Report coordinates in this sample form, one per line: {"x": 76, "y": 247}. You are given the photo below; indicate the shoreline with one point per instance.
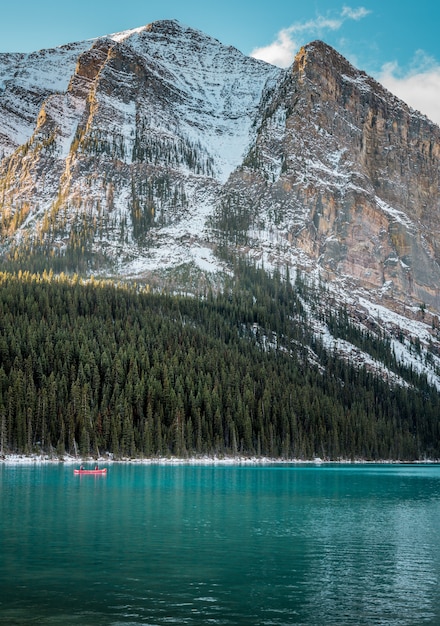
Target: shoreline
{"x": 43, "y": 459}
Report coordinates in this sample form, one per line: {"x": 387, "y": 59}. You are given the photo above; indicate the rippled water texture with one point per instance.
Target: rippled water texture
{"x": 235, "y": 545}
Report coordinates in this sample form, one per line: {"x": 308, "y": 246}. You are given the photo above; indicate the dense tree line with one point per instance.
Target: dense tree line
{"x": 89, "y": 368}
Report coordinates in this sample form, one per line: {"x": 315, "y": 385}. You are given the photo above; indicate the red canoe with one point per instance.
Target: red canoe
{"x": 90, "y": 471}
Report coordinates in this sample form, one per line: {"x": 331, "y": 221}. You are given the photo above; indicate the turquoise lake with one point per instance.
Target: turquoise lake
{"x": 198, "y": 545}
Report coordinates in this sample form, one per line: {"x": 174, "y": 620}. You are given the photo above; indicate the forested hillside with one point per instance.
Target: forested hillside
{"x": 88, "y": 368}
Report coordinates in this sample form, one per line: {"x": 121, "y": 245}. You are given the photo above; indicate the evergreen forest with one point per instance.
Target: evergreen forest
{"x": 90, "y": 367}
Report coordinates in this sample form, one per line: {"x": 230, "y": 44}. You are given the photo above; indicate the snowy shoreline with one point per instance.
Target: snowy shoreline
{"x": 21, "y": 459}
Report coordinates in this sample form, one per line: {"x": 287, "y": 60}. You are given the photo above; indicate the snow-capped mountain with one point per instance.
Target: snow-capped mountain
{"x": 135, "y": 132}
{"x": 161, "y": 148}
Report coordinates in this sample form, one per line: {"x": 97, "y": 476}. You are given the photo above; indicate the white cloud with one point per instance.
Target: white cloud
{"x": 281, "y": 52}
{"x": 355, "y": 14}
{"x": 420, "y": 87}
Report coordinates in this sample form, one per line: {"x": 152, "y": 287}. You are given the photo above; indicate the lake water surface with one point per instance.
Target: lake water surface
{"x": 232, "y": 545}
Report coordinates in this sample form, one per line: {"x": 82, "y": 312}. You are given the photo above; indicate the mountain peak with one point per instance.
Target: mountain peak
{"x": 170, "y": 29}
{"x": 167, "y": 27}
{"x": 320, "y": 58}
{"x": 321, "y": 63}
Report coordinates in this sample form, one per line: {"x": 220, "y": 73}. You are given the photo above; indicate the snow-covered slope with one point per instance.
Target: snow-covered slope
{"x": 197, "y": 89}
{"x": 218, "y": 90}
{"x": 137, "y": 130}
{"x": 26, "y": 80}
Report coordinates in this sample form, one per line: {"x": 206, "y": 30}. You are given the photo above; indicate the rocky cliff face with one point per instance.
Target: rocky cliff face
{"x": 154, "y": 147}
{"x": 348, "y": 174}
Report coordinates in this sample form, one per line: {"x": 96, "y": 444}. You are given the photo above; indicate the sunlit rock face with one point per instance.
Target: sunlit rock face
{"x": 156, "y": 147}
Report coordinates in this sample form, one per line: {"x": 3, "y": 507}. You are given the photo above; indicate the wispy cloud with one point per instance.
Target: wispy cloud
{"x": 282, "y": 50}
{"x": 355, "y": 14}
{"x": 419, "y": 87}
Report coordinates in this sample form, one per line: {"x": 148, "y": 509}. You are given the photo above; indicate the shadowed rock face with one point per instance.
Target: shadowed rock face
{"x": 164, "y": 138}
{"x": 358, "y": 188}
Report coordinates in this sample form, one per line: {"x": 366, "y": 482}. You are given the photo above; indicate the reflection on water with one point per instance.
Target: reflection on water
{"x": 226, "y": 545}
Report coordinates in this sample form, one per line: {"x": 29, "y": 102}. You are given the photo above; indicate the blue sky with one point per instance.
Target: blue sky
{"x": 397, "y": 41}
